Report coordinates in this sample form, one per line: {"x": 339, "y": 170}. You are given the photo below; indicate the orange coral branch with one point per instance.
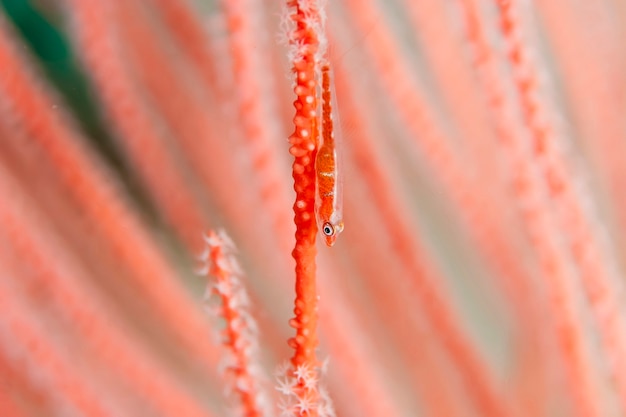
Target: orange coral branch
{"x": 239, "y": 337}
{"x": 303, "y": 148}
{"x": 305, "y": 38}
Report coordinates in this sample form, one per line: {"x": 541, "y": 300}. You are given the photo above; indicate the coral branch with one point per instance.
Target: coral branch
{"x": 305, "y": 41}
{"x": 303, "y": 148}
{"x": 240, "y": 335}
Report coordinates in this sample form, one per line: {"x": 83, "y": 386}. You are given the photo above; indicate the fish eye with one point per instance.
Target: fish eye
{"x": 328, "y": 229}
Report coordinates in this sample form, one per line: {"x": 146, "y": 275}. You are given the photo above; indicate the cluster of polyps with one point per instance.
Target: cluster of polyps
{"x": 296, "y": 400}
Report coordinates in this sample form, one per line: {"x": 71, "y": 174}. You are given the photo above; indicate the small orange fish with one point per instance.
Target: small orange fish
{"x": 329, "y": 193}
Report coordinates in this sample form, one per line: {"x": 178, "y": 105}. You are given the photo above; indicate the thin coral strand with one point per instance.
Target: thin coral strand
{"x": 239, "y": 337}
{"x": 506, "y": 132}
{"x": 303, "y": 147}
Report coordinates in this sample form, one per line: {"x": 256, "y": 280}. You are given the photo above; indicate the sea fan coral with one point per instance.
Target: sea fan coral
{"x": 480, "y": 272}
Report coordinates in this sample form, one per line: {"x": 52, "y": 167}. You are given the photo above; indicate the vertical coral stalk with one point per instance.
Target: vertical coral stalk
{"x": 305, "y": 39}
{"x": 239, "y": 335}
{"x": 303, "y": 148}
